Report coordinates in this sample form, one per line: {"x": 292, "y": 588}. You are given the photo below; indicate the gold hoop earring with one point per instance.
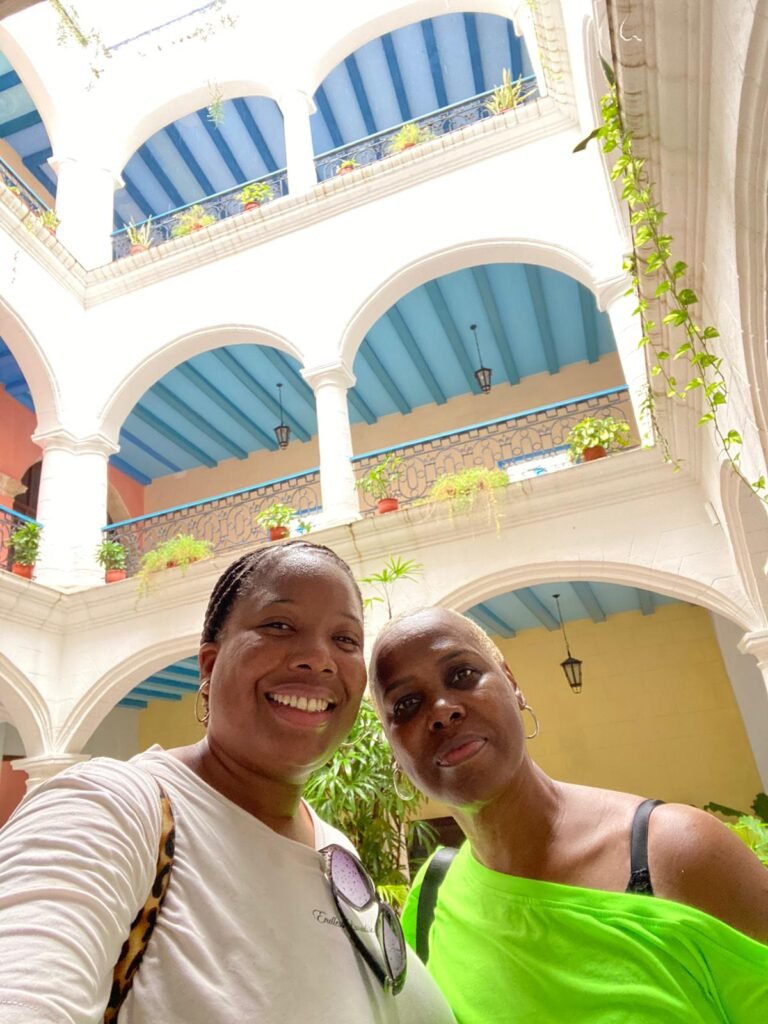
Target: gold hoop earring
{"x": 397, "y": 771}
{"x": 532, "y": 735}
{"x": 202, "y": 719}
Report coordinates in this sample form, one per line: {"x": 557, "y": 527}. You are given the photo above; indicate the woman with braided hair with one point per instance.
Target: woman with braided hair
{"x": 263, "y": 912}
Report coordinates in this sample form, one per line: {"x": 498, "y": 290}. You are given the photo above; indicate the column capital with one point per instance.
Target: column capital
{"x": 63, "y": 440}
{"x": 609, "y": 289}
{"x": 296, "y": 98}
{"x": 756, "y": 644}
{"x": 337, "y": 373}
{"x": 58, "y": 161}
{"x": 45, "y": 766}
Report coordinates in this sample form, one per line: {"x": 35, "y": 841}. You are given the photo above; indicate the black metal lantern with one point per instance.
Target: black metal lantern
{"x": 283, "y": 432}
{"x": 482, "y": 373}
{"x": 571, "y": 666}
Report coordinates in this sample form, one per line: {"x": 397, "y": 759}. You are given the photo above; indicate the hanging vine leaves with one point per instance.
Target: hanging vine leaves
{"x": 651, "y": 259}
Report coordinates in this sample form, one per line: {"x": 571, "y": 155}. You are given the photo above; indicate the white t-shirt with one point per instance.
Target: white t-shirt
{"x": 248, "y": 931}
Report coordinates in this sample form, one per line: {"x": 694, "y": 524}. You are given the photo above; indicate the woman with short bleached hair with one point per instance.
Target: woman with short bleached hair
{"x": 566, "y": 902}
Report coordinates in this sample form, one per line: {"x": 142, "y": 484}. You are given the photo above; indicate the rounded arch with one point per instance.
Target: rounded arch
{"x": 94, "y": 706}
{"x": 483, "y": 588}
{"x": 392, "y": 18}
{"x": 446, "y": 261}
{"x": 33, "y": 363}
{"x": 175, "y": 351}
{"x": 27, "y": 710}
{"x": 28, "y": 70}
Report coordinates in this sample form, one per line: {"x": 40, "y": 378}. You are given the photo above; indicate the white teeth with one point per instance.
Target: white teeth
{"x": 314, "y": 704}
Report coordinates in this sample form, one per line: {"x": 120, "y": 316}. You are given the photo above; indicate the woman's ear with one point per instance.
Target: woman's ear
{"x": 519, "y": 695}
{"x": 206, "y": 657}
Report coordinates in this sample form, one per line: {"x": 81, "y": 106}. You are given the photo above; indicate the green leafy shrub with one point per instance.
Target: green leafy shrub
{"x": 25, "y": 543}
{"x": 605, "y": 432}
{"x": 110, "y": 554}
{"x": 379, "y": 482}
{"x": 181, "y": 550}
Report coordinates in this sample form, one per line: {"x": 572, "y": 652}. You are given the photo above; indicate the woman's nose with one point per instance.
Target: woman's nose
{"x": 314, "y": 656}
{"x": 445, "y": 713}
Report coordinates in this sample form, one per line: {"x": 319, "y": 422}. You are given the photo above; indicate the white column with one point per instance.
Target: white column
{"x": 337, "y": 479}
{"x": 299, "y": 154}
{"x": 627, "y": 331}
{"x": 72, "y": 506}
{"x": 522, "y": 19}
{"x": 85, "y": 199}
{"x": 45, "y": 766}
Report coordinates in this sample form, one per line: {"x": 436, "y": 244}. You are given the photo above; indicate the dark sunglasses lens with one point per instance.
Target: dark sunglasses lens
{"x": 393, "y": 944}
{"x": 351, "y": 882}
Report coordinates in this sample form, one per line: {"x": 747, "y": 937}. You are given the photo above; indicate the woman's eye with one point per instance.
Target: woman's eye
{"x": 405, "y": 706}
{"x": 461, "y": 675}
{"x": 276, "y": 625}
{"x": 349, "y": 640}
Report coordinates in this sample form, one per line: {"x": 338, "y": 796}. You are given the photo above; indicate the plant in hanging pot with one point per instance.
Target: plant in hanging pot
{"x": 409, "y": 135}
{"x": 470, "y": 487}
{"x": 379, "y": 482}
{"x": 253, "y": 195}
{"x": 110, "y": 555}
{"x": 507, "y": 95}
{"x": 347, "y": 165}
{"x": 181, "y": 550}
{"x": 276, "y": 520}
{"x": 140, "y": 236}
{"x": 194, "y": 218}
{"x": 592, "y": 438}
{"x": 25, "y": 545}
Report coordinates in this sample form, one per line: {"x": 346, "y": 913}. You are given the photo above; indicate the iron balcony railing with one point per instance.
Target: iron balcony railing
{"x": 21, "y": 190}
{"x": 537, "y": 434}
{"x": 226, "y": 520}
{"x": 438, "y": 122}
{"x": 10, "y": 521}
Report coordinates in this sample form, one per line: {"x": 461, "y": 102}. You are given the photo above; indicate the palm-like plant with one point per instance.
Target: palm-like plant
{"x": 395, "y": 569}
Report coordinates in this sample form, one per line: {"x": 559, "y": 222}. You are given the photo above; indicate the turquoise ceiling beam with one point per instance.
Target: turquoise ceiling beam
{"x": 176, "y": 198}
{"x": 589, "y": 601}
{"x": 188, "y": 157}
{"x": 167, "y": 431}
{"x": 8, "y": 80}
{"x": 254, "y": 131}
{"x": 195, "y": 377}
{"x": 138, "y": 197}
{"x": 443, "y": 314}
{"x": 645, "y": 601}
{"x": 237, "y": 369}
{"x": 290, "y": 374}
{"x": 357, "y": 402}
{"x": 390, "y": 54}
{"x": 150, "y": 694}
{"x": 531, "y": 603}
{"x": 149, "y": 450}
{"x": 409, "y": 343}
{"x": 193, "y": 416}
{"x": 491, "y": 621}
{"x": 225, "y": 152}
{"x": 533, "y": 276}
{"x": 159, "y": 680}
{"x": 488, "y": 299}
{"x": 131, "y": 702}
{"x": 515, "y": 55}
{"x": 368, "y": 355}
{"x": 473, "y": 43}
{"x": 589, "y": 320}
{"x": 326, "y": 110}
{"x": 435, "y": 68}
{"x": 18, "y": 124}
{"x": 131, "y": 471}
{"x": 353, "y": 71}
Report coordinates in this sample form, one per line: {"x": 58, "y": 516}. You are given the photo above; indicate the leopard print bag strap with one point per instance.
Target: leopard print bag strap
{"x": 144, "y": 923}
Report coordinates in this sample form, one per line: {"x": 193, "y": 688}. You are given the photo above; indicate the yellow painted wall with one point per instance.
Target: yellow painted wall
{"x": 656, "y": 716}
{"x": 464, "y": 410}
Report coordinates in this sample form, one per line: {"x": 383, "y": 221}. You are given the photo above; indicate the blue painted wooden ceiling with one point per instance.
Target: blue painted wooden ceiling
{"x": 502, "y": 616}
{"x": 223, "y": 404}
{"x": 401, "y": 75}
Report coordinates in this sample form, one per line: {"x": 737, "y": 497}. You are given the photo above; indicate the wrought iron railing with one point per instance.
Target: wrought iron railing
{"x": 179, "y": 222}
{"x": 21, "y": 190}
{"x": 439, "y": 122}
{"x": 10, "y": 521}
{"x": 227, "y": 520}
{"x": 525, "y": 436}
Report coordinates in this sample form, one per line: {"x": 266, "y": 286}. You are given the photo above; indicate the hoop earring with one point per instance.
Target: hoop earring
{"x": 202, "y": 719}
{"x": 527, "y": 707}
{"x": 397, "y": 771}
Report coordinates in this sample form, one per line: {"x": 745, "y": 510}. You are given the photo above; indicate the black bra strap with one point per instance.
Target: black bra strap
{"x": 436, "y": 871}
{"x": 640, "y": 874}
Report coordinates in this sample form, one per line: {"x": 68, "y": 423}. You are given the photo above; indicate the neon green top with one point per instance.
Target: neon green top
{"x": 507, "y": 950}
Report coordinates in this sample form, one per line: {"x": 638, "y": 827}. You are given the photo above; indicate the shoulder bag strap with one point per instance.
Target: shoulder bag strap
{"x": 425, "y": 911}
{"x": 639, "y": 871}
{"x": 144, "y": 923}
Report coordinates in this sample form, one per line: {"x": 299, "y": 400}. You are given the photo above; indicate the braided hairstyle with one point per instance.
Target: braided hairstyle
{"x": 236, "y": 580}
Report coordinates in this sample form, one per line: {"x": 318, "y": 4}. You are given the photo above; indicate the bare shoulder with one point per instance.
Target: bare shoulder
{"x": 696, "y": 859}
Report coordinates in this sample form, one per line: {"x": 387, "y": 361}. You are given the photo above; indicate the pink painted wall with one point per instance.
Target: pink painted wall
{"x": 12, "y": 789}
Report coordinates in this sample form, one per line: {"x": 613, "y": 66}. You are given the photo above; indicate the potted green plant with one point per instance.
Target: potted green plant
{"x": 181, "y": 550}
{"x": 276, "y": 519}
{"x": 110, "y": 555}
{"x": 347, "y": 165}
{"x": 49, "y": 220}
{"x": 593, "y": 438}
{"x": 194, "y": 218}
{"x": 507, "y": 95}
{"x": 140, "y": 236}
{"x": 379, "y": 482}
{"x": 469, "y": 487}
{"x": 356, "y": 792}
{"x": 409, "y": 135}
{"x": 25, "y": 544}
{"x": 253, "y": 195}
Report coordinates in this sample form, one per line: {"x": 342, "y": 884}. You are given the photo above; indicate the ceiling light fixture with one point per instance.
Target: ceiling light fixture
{"x": 571, "y": 666}
{"x": 283, "y": 432}
{"x": 482, "y": 373}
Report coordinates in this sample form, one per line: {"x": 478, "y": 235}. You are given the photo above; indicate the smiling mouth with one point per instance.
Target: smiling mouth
{"x": 310, "y": 705}
{"x": 460, "y": 754}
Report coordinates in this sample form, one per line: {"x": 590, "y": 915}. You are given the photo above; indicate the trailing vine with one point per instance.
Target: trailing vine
{"x": 652, "y": 258}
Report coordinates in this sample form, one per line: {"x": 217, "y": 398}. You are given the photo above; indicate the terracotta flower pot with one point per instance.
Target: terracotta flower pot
{"x": 136, "y": 249}
{"x": 278, "y": 532}
{"x": 252, "y": 205}
{"x": 115, "y": 575}
{"x": 590, "y": 454}
{"x": 345, "y": 170}
{"x": 387, "y": 505}
{"x": 22, "y": 570}
{"x": 407, "y": 145}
